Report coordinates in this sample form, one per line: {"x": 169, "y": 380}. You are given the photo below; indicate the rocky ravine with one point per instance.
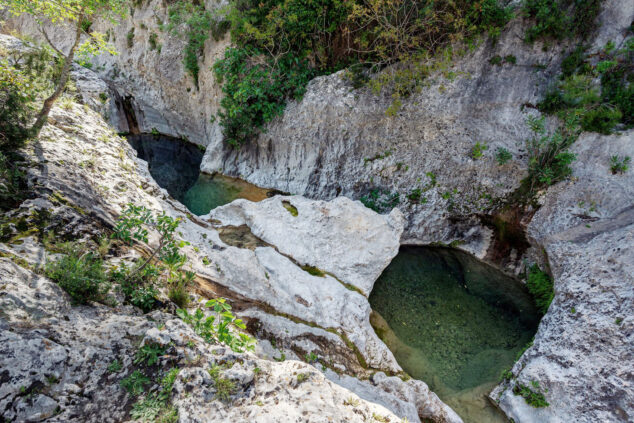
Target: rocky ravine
{"x": 584, "y": 359}
{"x": 82, "y": 175}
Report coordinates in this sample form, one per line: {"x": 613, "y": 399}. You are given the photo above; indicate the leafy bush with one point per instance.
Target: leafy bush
{"x": 138, "y": 283}
{"x": 602, "y": 119}
{"x": 619, "y": 164}
{"x": 13, "y": 187}
{"x": 532, "y": 397}
{"x": 540, "y": 285}
{"x": 381, "y": 200}
{"x": 597, "y": 107}
{"x": 130, "y": 38}
{"x": 222, "y": 329}
{"x": 191, "y": 19}
{"x": 135, "y": 383}
{"x": 81, "y": 275}
{"x": 16, "y": 94}
{"x": 281, "y": 44}
{"x": 548, "y": 156}
{"x": 502, "y": 155}
{"x": 256, "y": 92}
{"x": 478, "y": 150}
{"x": 558, "y": 19}
{"x": 149, "y": 354}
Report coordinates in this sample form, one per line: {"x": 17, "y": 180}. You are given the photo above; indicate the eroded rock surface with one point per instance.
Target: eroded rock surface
{"x": 82, "y": 175}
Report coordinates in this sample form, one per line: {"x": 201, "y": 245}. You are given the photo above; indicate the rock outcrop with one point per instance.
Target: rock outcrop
{"x": 82, "y": 175}
{"x": 56, "y": 365}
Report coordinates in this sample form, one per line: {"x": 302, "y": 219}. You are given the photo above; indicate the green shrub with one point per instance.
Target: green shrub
{"x": 138, "y": 287}
{"x": 135, "y": 383}
{"x": 534, "y": 398}
{"x": 153, "y": 40}
{"x": 255, "y": 92}
{"x": 138, "y": 282}
{"x": 558, "y": 19}
{"x": 16, "y": 94}
{"x": 575, "y": 62}
{"x": 548, "y": 157}
{"x": 540, "y": 286}
{"x": 478, "y": 150}
{"x": 149, "y": 354}
{"x": 602, "y": 119}
{"x": 597, "y": 107}
{"x": 13, "y": 187}
{"x": 223, "y": 329}
{"x": 381, "y": 200}
{"x": 81, "y": 275}
{"x": 224, "y": 388}
{"x": 130, "y": 38}
{"x": 502, "y": 155}
{"x": 619, "y": 164}
{"x": 281, "y": 44}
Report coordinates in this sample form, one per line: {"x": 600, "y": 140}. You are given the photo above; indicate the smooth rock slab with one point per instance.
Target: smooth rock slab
{"x": 341, "y": 237}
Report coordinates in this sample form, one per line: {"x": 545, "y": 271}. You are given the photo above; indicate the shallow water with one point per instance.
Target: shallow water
{"x": 174, "y": 164}
{"x": 453, "y": 322}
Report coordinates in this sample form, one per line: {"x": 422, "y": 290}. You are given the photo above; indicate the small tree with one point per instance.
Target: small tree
{"x": 78, "y": 14}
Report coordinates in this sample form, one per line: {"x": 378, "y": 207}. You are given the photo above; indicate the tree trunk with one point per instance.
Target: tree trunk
{"x": 42, "y": 117}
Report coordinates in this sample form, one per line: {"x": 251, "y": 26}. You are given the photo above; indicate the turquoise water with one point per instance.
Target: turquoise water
{"x": 174, "y": 164}
{"x": 453, "y": 322}
{"x": 210, "y": 192}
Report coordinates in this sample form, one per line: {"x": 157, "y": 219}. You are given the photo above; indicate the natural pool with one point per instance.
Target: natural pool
{"x": 454, "y": 322}
{"x": 174, "y": 164}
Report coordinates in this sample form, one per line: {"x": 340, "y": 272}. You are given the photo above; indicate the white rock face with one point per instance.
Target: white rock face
{"x": 352, "y": 242}
{"x": 48, "y": 346}
{"x": 583, "y": 352}
{"x": 85, "y": 177}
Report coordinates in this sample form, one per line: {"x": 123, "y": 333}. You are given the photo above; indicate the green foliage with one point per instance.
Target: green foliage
{"x": 138, "y": 287}
{"x": 502, "y": 155}
{"x": 153, "y": 40}
{"x": 16, "y": 94}
{"x": 147, "y": 409}
{"x": 149, "y": 354}
{"x": 499, "y": 60}
{"x": 129, "y": 37}
{"x": 222, "y": 327}
{"x": 115, "y": 366}
{"x": 138, "y": 283}
{"x": 311, "y": 358}
{"x": 224, "y": 388}
{"x": 302, "y": 377}
{"x": 415, "y": 195}
{"x": 619, "y": 164}
{"x": 548, "y": 156}
{"x": 381, "y": 200}
{"x": 534, "y": 398}
{"x": 315, "y": 271}
{"x": 190, "y": 19}
{"x": 557, "y": 19}
{"x": 255, "y": 91}
{"x": 13, "y": 187}
{"x": 478, "y": 150}
{"x": 81, "y": 275}
{"x": 135, "y": 383}
{"x": 281, "y": 44}
{"x": 596, "y": 107}
{"x": 540, "y": 286}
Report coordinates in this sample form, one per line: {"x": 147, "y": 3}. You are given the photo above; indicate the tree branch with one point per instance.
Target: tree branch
{"x": 43, "y": 31}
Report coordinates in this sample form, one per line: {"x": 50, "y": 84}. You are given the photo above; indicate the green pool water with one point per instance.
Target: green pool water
{"x": 174, "y": 164}
{"x": 454, "y": 322}
{"x": 211, "y": 191}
